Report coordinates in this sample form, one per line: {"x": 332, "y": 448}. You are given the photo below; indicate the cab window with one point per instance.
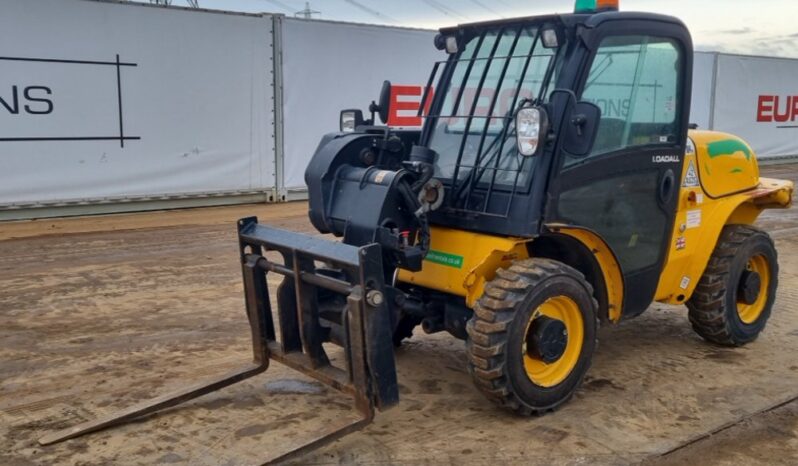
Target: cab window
{"x": 635, "y": 81}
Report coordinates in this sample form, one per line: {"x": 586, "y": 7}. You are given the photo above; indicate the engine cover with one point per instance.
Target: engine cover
{"x": 725, "y": 163}
{"x": 354, "y": 197}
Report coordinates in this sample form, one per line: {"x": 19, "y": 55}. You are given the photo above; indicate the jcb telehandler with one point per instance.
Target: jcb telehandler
{"x": 554, "y": 185}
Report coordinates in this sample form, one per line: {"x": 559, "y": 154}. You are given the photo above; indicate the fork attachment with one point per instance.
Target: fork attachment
{"x": 342, "y": 302}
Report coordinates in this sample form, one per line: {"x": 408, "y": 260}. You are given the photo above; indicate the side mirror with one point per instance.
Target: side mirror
{"x": 581, "y": 128}
{"x": 531, "y": 130}
{"x": 383, "y": 106}
{"x": 351, "y": 119}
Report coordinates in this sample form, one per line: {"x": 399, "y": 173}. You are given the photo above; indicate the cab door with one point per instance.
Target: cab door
{"x": 625, "y": 189}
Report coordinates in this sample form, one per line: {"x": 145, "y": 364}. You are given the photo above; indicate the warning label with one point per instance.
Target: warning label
{"x": 693, "y": 218}
{"x": 691, "y": 178}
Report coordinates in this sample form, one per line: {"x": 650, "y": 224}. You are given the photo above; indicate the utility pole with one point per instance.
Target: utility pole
{"x": 307, "y": 13}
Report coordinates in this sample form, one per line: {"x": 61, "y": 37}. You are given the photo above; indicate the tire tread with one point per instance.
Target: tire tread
{"x": 706, "y": 307}
{"x": 488, "y": 329}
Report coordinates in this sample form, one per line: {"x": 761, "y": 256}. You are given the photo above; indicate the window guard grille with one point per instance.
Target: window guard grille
{"x": 481, "y": 175}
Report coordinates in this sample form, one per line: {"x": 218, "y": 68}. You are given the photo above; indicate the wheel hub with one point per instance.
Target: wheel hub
{"x": 547, "y": 339}
{"x": 749, "y": 287}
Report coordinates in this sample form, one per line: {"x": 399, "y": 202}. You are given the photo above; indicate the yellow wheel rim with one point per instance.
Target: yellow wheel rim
{"x": 749, "y": 313}
{"x": 564, "y": 309}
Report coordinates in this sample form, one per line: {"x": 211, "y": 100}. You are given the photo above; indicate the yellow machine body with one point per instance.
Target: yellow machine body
{"x": 607, "y": 261}
{"x": 461, "y": 262}
{"x": 720, "y": 185}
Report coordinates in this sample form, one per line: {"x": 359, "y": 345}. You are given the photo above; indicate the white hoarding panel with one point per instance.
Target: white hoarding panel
{"x": 328, "y": 67}
{"x": 756, "y": 98}
{"x": 701, "y": 102}
{"x": 109, "y": 100}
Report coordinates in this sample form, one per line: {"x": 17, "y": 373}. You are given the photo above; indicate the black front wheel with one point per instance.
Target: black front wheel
{"x": 532, "y": 336}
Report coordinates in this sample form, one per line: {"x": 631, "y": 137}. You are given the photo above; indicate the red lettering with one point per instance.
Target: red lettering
{"x": 472, "y": 101}
{"x": 454, "y": 94}
{"x": 764, "y": 112}
{"x": 794, "y": 108}
{"x": 781, "y": 117}
{"x": 394, "y": 118}
{"x": 506, "y": 99}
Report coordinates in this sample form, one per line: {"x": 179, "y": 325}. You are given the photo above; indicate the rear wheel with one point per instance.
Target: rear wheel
{"x": 732, "y": 302}
{"x": 532, "y": 336}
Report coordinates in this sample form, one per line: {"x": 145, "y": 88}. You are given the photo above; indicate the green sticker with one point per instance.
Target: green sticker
{"x": 727, "y": 147}
{"x": 736, "y": 170}
{"x": 443, "y": 258}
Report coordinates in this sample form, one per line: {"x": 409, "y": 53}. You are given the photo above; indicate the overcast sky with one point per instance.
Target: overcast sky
{"x": 761, "y": 27}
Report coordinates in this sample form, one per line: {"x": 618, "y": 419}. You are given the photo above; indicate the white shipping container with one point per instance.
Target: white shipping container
{"x": 701, "y": 102}
{"x": 756, "y": 98}
{"x": 329, "y": 66}
{"x": 106, "y": 101}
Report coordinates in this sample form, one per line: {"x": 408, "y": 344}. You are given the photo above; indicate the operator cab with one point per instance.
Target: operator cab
{"x": 580, "y": 88}
{"x": 576, "y": 120}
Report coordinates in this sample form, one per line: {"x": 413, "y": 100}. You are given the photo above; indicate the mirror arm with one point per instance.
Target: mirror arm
{"x": 579, "y": 121}
{"x": 372, "y": 109}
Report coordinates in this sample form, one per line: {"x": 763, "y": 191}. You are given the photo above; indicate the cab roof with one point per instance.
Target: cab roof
{"x": 589, "y": 20}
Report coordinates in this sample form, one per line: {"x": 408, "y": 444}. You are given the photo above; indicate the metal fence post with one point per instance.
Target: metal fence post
{"x": 714, "y": 91}
{"x": 279, "y": 141}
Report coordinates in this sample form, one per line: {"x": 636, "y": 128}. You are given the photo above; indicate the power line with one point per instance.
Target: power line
{"x": 444, "y": 9}
{"x": 278, "y": 3}
{"x": 371, "y": 11}
{"x": 478, "y": 3}
{"x": 504, "y": 3}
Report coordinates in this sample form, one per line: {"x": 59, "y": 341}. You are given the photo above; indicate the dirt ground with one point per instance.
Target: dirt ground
{"x": 99, "y": 313}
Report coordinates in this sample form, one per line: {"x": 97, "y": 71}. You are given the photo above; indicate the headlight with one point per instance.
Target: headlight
{"x": 530, "y": 123}
{"x": 451, "y": 45}
{"x": 448, "y": 43}
{"x": 347, "y": 121}
{"x": 550, "y": 39}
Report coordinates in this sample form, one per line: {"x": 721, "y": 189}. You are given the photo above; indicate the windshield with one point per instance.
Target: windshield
{"x": 472, "y": 130}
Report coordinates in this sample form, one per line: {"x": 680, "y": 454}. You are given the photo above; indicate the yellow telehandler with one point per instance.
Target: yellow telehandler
{"x": 554, "y": 185}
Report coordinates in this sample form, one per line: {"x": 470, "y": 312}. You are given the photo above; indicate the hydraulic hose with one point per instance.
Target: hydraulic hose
{"x": 410, "y": 197}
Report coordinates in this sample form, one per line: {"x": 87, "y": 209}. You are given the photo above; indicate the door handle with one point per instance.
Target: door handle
{"x": 666, "y": 187}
